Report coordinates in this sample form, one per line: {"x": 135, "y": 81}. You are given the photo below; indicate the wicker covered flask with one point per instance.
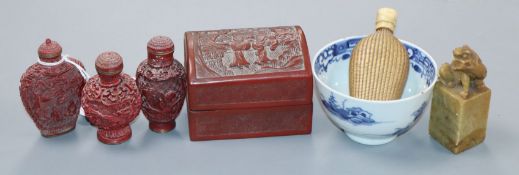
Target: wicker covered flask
{"x": 379, "y": 63}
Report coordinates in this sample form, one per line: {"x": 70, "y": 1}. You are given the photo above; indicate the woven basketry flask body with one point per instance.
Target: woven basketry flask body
{"x": 379, "y": 64}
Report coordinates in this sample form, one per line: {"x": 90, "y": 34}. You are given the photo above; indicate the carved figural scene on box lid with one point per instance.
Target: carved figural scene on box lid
{"x": 250, "y": 67}
{"x": 234, "y": 52}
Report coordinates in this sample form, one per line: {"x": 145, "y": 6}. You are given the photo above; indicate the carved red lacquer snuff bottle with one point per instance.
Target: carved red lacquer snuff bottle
{"x": 162, "y": 82}
{"x": 111, "y": 99}
{"x": 51, "y": 90}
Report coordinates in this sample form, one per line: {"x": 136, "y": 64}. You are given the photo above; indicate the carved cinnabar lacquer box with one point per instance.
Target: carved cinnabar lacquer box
{"x": 252, "y": 82}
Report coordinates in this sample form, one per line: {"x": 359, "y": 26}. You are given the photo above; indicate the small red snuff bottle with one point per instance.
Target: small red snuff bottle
{"x": 51, "y": 90}
{"x": 111, "y": 99}
{"x": 162, "y": 82}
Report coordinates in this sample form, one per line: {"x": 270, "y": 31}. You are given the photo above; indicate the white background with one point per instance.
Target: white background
{"x": 87, "y": 28}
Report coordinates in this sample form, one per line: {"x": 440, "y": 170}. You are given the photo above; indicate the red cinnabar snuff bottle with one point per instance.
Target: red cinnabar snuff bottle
{"x": 162, "y": 82}
{"x": 51, "y": 90}
{"x": 111, "y": 99}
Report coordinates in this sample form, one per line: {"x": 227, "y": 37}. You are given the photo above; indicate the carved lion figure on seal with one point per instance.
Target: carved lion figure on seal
{"x": 466, "y": 70}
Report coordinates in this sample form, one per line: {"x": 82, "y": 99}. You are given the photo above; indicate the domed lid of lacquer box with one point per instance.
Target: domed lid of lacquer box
{"x": 247, "y": 68}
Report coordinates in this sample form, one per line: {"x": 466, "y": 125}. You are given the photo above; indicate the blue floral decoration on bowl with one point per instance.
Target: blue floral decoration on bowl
{"x": 334, "y": 53}
{"x": 354, "y": 115}
{"x": 342, "y": 51}
{"x": 421, "y": 64}
{"x": 416, "y": 114}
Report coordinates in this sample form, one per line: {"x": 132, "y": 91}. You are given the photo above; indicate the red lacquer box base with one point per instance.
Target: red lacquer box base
{"x": 244, "y": 83}
{"x": 247, "y": 123}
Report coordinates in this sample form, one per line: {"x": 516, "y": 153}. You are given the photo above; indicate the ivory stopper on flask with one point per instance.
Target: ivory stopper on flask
{"x": 379, "y": 63}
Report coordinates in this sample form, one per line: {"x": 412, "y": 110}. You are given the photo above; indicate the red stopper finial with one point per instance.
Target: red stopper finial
{"x": 161, "y": 45}
{"x": 109, "y": 63}
{"x": 49, "y": 49}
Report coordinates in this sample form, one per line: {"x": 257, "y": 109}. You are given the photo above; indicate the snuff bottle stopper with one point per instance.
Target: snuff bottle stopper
{"x": 379, "y": 63}
{"x": 51, "y": 90}
{"x": 460, "y": 103}
{"x": 111, "y": 99}
{"x": 162, "y": 82}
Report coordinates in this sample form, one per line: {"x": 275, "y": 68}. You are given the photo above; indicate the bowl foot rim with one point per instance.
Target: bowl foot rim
{"x": 366, "y": 140}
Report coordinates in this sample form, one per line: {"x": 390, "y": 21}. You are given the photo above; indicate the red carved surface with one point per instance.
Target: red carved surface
{"x": 162, "y": 83}
{"x": 111, "y": 102}
{"x": 248, "y": 83}
{"x": 287, "y": 81}
{"x": 112, "y": 108}
{"x": 51, "y": 96}
{"x": 163, "y": 92}
{"x": 248, "y": 51}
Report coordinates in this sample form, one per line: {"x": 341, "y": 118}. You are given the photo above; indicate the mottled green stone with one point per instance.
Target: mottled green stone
{"x": 457, "y": 123}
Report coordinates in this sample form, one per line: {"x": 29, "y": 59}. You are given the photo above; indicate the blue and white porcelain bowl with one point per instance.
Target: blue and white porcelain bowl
{"x": 365, "y": 121}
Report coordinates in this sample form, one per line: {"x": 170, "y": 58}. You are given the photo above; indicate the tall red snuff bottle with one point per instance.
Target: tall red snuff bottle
{"x": 162, "y": 82}
{"x": 111, "y": 99}
{"x": 51, "y": 90}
